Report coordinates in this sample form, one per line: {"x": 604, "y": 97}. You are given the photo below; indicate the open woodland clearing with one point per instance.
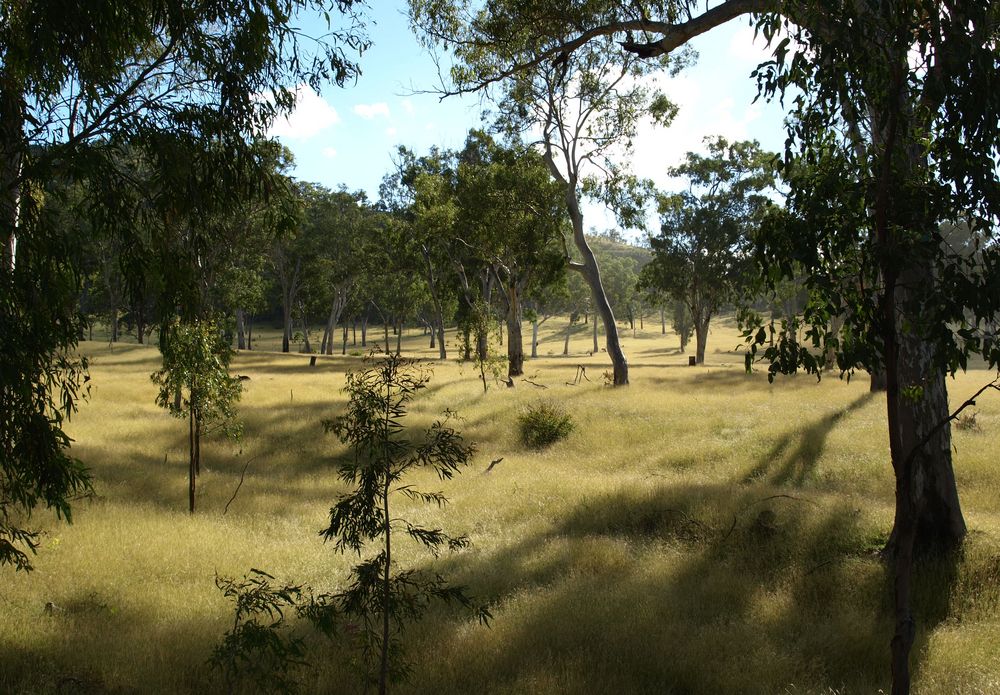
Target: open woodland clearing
{"x": 700, "y": 531}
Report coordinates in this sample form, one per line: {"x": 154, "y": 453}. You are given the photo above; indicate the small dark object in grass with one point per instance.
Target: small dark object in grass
{"x": 544, "y": 424}
{"x": 967, "y": 421}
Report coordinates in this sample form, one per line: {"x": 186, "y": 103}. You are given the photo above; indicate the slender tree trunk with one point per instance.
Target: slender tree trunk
{"x": 399, "y": 335}
{"x": 534, "y": 338}
{"x": 11, "y": 154}
{"x": 306, "y": 346}
{"x": 663, "y": 321}
{"x": 595, "y": 338}
{"x": 241, "y": 340}
{"x": 438, "y": 321}
{"x": 191, "y": 461}
{"x": 343, "y": 349}
{"x": 114, "y": 324}
{"x": 364, "y": 331}
{"x": 515, "y": 345}
{"x": 569, "y": 329}
{"x": 286, "y": 315}
{"x": 592, "y": 274}
{"x": 386, "y": 597}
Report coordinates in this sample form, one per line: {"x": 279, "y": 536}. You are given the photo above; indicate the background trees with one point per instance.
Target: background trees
{"x": 702, "y": 255}
{"x": 79, "y": 86}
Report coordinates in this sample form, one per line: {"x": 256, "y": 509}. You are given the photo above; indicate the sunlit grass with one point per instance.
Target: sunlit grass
{"x": 700, "y": 531}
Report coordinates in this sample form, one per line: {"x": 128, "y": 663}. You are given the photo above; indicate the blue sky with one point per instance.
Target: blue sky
{"x": 347, "y": 135}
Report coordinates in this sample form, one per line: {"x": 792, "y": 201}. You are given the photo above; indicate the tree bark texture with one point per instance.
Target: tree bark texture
{"x": 241, "y": 339}
{"x": 515, "y": 343}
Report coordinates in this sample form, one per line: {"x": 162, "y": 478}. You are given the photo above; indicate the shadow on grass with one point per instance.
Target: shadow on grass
{"x": 792, "y": 459}
{"x": 695, "y": 589}
{"x": 688, "y": 590}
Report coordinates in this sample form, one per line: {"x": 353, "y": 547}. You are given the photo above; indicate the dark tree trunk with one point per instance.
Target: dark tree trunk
{"x": 534, "y": 339}
{"x": 595, "y": 349}
{"x": 663, "y": 321}
{"x": 286, "y": 336}
{"x": 114, "y": 325}
{"x": 877, "y": 381}
{"x": 343, "y": 348}
{"x": 241, "y": 339}
{"x": 569, "y": 329}
{"x": 515, "y": 344}
{"x": 191, "y": 462}
{"x": 364, "y": 331}
{"x": 701, "y": 337}
{"x": 399, "y": 336}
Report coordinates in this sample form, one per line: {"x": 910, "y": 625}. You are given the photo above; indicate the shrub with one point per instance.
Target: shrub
{"x": 544, "y": 424}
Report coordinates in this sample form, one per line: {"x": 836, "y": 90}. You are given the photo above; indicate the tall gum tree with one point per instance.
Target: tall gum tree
{"x": 911, "y": 88}
{"x": 584, "y": 108}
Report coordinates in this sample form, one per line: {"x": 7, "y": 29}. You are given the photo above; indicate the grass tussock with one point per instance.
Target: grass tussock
{"x": 702, "y": 531}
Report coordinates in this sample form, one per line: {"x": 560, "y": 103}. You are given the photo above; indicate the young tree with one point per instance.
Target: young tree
{"x": 196, "y": 364}
{"x": 383, "y": 453}
{"x": 702, "y": 254}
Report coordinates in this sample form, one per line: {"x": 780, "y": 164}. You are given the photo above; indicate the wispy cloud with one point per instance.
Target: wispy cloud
{"x": 370, "y": 111}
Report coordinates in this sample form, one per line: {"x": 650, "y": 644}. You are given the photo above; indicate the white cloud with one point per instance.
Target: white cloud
{"x": 370, "y": 111}
{"x": 407, "y": 106}
{"x": 312, "y": 115}
{"x": 390, "y": 132}
{"x": 329, "y": 152}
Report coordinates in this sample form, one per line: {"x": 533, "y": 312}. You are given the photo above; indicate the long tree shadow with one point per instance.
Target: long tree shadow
{"x": 695, "y": 589}
{"x": 793, "y": 457}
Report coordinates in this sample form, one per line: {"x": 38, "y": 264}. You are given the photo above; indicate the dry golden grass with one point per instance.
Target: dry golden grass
{"x": 701, "y": 531}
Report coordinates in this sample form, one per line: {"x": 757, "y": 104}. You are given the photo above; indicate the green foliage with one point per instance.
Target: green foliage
{"x": 83, "y": 88}
{"x": 702, "y": 255}
{"x": 382, "y": 598}
{"x": 41, "y": 382}
{"x": 258, "y": 651}
{"x": 196, "y": 360}
{"x": 544, "y": 424}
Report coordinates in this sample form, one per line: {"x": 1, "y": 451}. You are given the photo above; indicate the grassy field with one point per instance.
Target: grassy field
{"x": 701, "y": 531}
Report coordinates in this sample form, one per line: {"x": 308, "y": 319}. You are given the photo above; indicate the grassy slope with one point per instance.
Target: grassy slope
{"x": 640, "y": 555}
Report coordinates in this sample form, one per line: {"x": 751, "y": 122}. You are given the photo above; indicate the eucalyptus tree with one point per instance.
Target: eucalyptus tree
{"x": 514, "y": 218}
{"x": 78, "y": 85}
{"x": 702, "y": 255}
{"x": 334, "y": 229}
{"x": 587, "y": 108}
{"x": 900, "y": 100}
{"x": 422, "y": 190}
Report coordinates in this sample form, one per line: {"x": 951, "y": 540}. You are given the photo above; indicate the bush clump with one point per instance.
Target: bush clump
{"x": 544, "y": 424}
